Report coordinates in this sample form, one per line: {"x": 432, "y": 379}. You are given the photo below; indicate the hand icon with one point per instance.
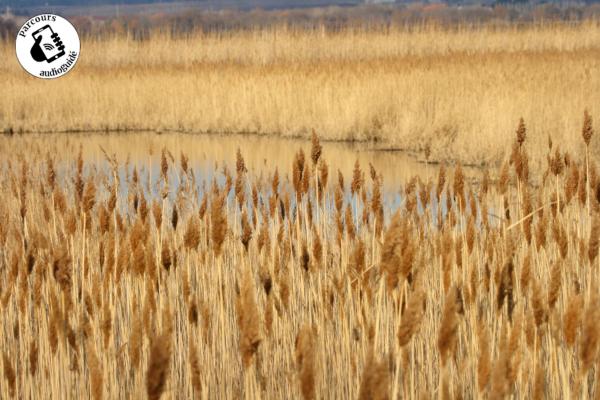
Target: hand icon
{"x": 36, "y": 51}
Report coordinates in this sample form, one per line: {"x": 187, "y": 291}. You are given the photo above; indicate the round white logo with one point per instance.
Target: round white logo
{"x": 47, "y": 46}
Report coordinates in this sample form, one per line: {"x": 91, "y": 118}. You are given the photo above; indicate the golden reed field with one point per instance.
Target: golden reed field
{"x": 148, "y": 277}
{"x": 406, "y": 87}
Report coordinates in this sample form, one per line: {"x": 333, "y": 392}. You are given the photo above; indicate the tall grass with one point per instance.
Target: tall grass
{"x": 126, "y": 281}
{"x": 414, "y": 88}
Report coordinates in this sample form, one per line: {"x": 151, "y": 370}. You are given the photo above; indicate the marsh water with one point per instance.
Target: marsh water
{"x": 208, "y": 155}
{"x": 262, "y": 154}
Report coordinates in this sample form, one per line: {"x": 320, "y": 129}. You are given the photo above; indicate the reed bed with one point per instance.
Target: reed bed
{"x": 408, "y": 87}
{"x": 119, "y": 281}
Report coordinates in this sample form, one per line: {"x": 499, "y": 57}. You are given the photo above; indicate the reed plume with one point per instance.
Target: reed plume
{"x": 106, "y": 324}
{"x": 203, "y": 207}
{"x": 184, "y": 162}
{"x": 240, "y": 191}
{"x": 195, "y": 370}
{"x": 191, "y": 238}
{"x": 164, "y": 165}
{"x": 500, "y": 371}
{"x": 459, "y": 185}
{"x": 157, "y": 214}
{"x": 298, "y": 172}
{"x": 590, "y": 335}
{"x": 540, "y": 232}
{"x": 323, "y": 177}
{"x": 103, "y": 219}
{"x": 158, "y": 366}
{"x": 136, "y": 341}
{"x": 503, "y": 179}
{"x": 165, "y": 255}
{"x": 96, "y": 372}
{"x": 306, "y": 362}
{"x": 269, "y": 316}
{"x": 377, "y": 204}
{"x": 349, "y": 223}
{"x": 572, "y": 183}
{"x": 538, "y": 304}
{"x": 594, "y": 241}
{"x": 317, "y": 251}
{"x": 505, "y": 289}
{"x": 447, "y": 334}
{"x": 555, "y": 284}
{"x": 572, "y": 319}
{"x": 539, "y": 384}
{"x": 358, "y": 259}
{"x": 78, "y": 180}
{"x": 9, "y": 374}
{"x": 357, "y": 179}
{"x": 484, "y": 364}
{"x": 412, "y": 317}
{"x": 33, "y": 357}
{"x": 316, "y": 149}
{"x": 521, "y": 132}
{"x": 61, "y": 268}
{"x": 304, "y": 258}
{"x": 587, "y": 131}
{"x": 240, "y": 164}
{"x": 375, "y": 382}
{"x": 248, "y": 320}
{"x": 391, "y": 253}
{"x": 246, "y": 230}
{"x": 275, "y": 183}
{"x": 556, "y": 163}
{"x": 193, "y": 311}
{"x": 441, "y": 182}
{"x": 174, "y": 217}
{"x": 218, "y": 220}
{"x": 525, "y": 273}
{"x": 50, "y": 173}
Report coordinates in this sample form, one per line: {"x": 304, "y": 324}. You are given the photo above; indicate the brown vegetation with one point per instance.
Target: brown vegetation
{"x": 418, "y": 87}
{"x": 260, "y": 288}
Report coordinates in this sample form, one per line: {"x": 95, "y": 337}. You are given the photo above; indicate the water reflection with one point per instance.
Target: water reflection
{"x": 210, "y": 155}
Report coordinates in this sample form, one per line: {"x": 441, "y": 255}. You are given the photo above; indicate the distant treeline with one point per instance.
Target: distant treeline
{"x": 15, "y": 4}
{"x": 142, "y": 26}
{"x": 247, "y": 4}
